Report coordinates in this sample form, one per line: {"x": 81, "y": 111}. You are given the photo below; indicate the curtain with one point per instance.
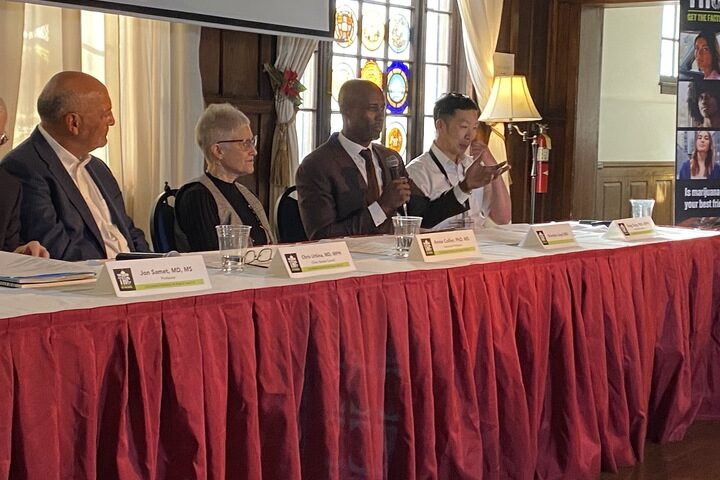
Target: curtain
{"x": 481, "y": 27}
{"x": 12, "y": 17}
{"x": 50, "y": 42}
{"x": 294, "y": 54}
{"x": 153, "y": 74}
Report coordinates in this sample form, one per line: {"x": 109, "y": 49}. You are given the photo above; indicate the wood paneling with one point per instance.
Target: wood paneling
{"x": 231, "y": 65}
{"x": 618, "y": 182}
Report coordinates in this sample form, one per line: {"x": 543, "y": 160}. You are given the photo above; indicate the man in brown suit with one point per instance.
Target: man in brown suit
{"x": 346, "y": 186}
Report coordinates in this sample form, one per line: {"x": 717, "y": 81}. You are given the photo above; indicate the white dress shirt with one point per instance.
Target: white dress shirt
{"x": 353, "y": 149}
{"x": 427, "y": 176}
{"x": 115, "y": 241}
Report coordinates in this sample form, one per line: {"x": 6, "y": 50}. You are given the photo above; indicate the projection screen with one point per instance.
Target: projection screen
{"x": 312, "y": 18}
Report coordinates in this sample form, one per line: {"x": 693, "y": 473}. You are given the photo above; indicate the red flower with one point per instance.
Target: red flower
{"x": 289, "y": 76}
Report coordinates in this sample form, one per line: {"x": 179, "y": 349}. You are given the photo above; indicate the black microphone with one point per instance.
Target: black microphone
{"x": 393, "y": 164}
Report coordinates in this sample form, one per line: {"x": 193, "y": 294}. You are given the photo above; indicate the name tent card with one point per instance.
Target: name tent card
{"x": 138, "y": 278}
{"x": 441, "y": 246}
{"x": 549, "y": 236}
{"x": 311, "y": 260}
{"x": 631, "y": 229}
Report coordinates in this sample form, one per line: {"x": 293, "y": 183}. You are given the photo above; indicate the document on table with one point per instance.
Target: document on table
{"x": 374, "y": 245}
{"x": 504, "y": 234}
{"x": 23, "y": 271}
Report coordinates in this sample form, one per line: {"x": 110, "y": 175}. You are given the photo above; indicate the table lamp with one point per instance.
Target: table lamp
{"x": 510, "y": 102}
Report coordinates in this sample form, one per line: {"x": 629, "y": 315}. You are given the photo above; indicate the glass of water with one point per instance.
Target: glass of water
{"x": 641, "y": 207}
{"x": 232, "y": 243}
{"x": 406, "y": 228}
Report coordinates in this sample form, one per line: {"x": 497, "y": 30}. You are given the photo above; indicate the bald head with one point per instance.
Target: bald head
{"x": 362, "y": 105}
{"x": 354, "y": 92}
{"x": 66, "y": 92}
{"x": 75, "y": 109}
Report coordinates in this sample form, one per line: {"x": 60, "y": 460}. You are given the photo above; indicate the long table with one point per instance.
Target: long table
{"x": 553, "y": 366}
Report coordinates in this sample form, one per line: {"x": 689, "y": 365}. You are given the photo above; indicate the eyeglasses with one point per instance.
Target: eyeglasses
{"x": 4, "y": 139}
{"x": 258, "y": 257}
{"x": 244, "y": 143}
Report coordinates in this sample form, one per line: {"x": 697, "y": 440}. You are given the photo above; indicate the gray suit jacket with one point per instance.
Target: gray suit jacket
{"x": 331, "y": 194}
{"x": 53, "y": 210}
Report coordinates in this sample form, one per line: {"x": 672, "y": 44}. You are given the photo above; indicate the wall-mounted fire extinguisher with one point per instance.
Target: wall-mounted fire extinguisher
{"x": 543, "y": 159}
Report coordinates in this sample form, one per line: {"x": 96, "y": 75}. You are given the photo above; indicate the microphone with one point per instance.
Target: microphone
{"x": 393, "y": 164}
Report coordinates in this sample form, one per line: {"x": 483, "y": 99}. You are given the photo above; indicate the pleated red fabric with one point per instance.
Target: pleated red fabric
{"x": 544, "y": 368}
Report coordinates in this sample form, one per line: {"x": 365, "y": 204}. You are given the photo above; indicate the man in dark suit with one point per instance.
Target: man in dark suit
{"x": 71, "y": 202}
{"x": 10, "y": 205}
{"x": 345, "y": 186}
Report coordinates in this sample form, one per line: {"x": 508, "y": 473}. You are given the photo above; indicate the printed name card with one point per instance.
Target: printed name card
{"x": 631, "y": 229}
{"x": 138, "y": 278}
{"x": 311, "y": 260}
{"x": 549, "y": 236}
{"x": 441, "y": 246}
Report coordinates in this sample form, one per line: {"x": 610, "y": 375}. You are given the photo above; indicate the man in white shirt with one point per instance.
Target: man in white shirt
{"x": 71, "y": 202}
{"x": 352, "y": 186}
{"x": 446, "y": 165}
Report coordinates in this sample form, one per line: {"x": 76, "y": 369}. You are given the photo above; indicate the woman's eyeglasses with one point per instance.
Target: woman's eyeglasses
{"x": 246, "y": 144}
{"x": 258, "y": 257}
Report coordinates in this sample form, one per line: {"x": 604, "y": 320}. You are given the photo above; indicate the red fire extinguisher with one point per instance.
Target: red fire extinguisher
{"x": 543, "y": 156}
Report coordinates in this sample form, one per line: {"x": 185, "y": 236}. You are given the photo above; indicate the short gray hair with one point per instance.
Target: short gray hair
{"x": 216, "y": 123}
{"x": 54, "y": 104}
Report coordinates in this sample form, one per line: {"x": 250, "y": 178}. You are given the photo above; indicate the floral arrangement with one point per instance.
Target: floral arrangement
{"x": 286, "y": 83}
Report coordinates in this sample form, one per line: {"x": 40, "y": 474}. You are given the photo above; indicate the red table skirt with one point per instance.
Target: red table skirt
{"x": 553, "y": 367}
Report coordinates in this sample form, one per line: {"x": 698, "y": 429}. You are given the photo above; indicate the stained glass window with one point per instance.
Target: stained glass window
{"x": 379, "y": 40}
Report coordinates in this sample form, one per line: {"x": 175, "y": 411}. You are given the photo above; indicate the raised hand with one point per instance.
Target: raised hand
{"x": 478, "y": 175}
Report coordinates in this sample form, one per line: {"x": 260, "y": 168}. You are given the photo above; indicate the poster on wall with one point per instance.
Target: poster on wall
{"x": 697, "y": 158}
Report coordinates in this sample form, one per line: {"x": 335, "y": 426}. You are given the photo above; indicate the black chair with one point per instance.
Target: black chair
{"x": 162, "y": 221}
{"x": 287, "y": 218}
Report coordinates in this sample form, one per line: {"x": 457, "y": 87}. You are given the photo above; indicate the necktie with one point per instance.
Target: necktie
{"x": 373, "y": 192}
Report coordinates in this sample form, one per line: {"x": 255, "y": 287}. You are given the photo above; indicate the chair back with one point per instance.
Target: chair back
{"x": 162, "y": 221}
{"x": 287, "y": 218}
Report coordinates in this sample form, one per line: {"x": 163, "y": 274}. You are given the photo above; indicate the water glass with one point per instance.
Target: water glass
{"x": 641, "y": 207}
{"x": 232, "y": 242}
{"x": 406, "y": 227}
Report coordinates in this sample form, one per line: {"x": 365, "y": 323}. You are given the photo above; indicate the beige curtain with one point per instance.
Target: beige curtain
{"x": 481, "y": 27}
{"x": 51, "y": 42}
{"x": 151, "y": 69}
{"x": 153, "y": 74}
{"x": 294, "y": 54}
{"x": 12, "y": 18}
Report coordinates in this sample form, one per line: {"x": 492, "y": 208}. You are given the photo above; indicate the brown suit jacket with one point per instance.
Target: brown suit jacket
{"x": 331, "y": 194}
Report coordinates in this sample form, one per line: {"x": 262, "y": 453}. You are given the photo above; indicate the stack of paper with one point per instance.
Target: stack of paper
{"x": 22, "y": 271}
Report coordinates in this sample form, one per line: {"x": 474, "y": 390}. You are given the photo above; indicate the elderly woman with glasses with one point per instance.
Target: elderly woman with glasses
{"x": 217, "y": 198}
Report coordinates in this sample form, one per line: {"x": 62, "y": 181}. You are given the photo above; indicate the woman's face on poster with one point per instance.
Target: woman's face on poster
{"x": 703, "y": 58}
{"x": 707, "y": 104}
{"x": 702, "y": 141}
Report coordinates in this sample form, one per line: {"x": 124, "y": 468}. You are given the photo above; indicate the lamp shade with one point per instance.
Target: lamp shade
{"x": 510, "y": 101}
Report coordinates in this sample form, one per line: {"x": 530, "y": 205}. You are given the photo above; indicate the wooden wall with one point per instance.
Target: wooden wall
{"x": 547, "y": 41}
{"x": 231, "y": 65}
{"x": 618, "y": 182}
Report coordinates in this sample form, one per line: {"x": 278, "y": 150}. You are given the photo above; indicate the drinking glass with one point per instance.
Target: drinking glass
{"x": 641, "y": 207}
{"x": 406, "y": 227}
{"x": 232, "y": 242}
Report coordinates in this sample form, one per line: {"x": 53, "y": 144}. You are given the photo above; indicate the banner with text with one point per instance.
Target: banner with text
{"x": 697, "y": 159}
